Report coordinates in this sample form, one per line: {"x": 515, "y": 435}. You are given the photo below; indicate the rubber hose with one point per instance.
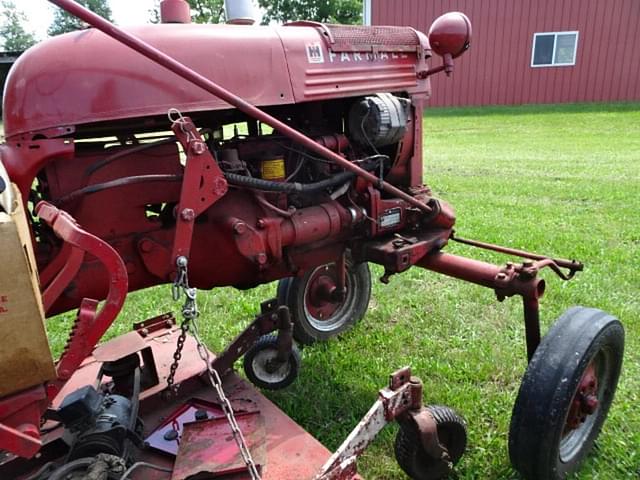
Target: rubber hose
{"x": 291, "y": 187}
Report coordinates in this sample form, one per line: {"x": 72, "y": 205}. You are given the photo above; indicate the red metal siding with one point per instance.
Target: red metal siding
{"x": 497, "y": 70}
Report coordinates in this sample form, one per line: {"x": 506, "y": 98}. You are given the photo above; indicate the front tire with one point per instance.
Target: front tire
{"x": 565, "y": 394}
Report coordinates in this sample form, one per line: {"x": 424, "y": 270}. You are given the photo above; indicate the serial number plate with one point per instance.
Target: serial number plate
{"x": 390, "y": 218}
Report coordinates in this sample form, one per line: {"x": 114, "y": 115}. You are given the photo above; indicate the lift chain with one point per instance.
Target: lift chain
{"x": 189, "y": 315}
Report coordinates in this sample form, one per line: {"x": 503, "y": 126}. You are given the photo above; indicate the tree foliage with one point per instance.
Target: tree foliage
{"x": 202, "y": 11}
{"x": 63, "y": 22}
{"x": 206, "y": 11}
{"x": 328, "y": 11}
{"x": 14, "y": 36}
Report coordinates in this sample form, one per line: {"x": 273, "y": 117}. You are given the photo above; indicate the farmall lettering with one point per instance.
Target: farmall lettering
{"x": 315, "y": 54}
{"x": 343, "y": 57}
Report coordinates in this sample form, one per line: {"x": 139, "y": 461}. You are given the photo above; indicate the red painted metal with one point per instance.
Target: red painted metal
{"x": 197, "y": 79}
{"x": 23, "y": 159}
{"x": 203, "y": 184}
{"x": 63, "y": 278}
{"x": 450, "y": 34}
{"x": 208, "y": 446}
{"x": 175, "y": 11}
{"x": 572, "y": 265}
{"x": 90, "y": 324}
{"x": 167, "y": 437}
{"x": 20, "y": 416}
{"x": 497, "y": 70}
{"x": 321, "y": 297}
{"x": 507, "y": 281}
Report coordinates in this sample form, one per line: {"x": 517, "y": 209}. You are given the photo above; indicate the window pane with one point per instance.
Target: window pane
{"x": 543, "y": 50}
{"x": 565, "y": 48}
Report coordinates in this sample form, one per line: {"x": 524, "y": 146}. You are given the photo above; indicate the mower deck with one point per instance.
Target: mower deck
{"x": 280, "y": 447}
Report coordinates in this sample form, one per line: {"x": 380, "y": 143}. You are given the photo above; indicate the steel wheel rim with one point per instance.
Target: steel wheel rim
{"x": 573, "y": 441}
{"x": 339, "y": 316}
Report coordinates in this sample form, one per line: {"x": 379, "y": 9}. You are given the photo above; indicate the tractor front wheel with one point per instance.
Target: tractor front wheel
{"x": 565, "y": 394}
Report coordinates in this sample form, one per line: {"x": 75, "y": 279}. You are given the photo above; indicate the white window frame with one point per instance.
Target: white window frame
{"x": 553, "y": 53}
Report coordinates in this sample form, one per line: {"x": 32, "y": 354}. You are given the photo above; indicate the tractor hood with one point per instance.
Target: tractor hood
{"x": 86, "y": 77}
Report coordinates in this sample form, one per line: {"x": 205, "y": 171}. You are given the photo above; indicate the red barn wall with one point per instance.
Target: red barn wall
{"x": 496, "y": 69}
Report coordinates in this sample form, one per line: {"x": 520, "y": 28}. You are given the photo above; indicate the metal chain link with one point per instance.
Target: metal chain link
{"x": 181, "y": 281}
{"x": 189, "y": 315}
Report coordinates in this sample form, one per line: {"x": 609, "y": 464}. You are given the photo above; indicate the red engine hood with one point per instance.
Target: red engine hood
{"x": 86, "y": 77}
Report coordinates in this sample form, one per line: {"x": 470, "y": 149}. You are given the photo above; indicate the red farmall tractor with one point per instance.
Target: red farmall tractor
{"x": 228, "y": 155}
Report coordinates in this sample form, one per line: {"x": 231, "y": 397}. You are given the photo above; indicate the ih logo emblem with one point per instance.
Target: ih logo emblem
{"x": 314, "y": 53}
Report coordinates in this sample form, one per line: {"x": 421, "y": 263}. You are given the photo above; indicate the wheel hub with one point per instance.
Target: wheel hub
{"x": 585, "y": 402}
{"x": 322, "y": 300}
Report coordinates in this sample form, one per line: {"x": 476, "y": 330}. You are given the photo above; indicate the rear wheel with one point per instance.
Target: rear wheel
{"x": 565, "y": 394}
{"x": 317, "y": 313}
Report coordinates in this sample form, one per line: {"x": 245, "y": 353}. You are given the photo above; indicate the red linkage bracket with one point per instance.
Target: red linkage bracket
{"x": 203, "y": 184}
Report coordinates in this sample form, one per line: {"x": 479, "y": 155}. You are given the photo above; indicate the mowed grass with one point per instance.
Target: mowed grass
{"x": 561, "y": 180}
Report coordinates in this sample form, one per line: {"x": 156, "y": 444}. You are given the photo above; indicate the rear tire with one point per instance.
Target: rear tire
{"x": 317, "y": 319}
{"x": 565, "y": 394}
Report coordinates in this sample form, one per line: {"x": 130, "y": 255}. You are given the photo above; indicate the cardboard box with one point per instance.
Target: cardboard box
{"x": 25, "y": 357}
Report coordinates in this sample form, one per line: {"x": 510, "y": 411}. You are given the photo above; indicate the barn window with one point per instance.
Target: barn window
{"x": 551, "y": 49}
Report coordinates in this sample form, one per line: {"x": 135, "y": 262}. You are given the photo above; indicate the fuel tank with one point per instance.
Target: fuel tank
{"x": 86, "y": 77}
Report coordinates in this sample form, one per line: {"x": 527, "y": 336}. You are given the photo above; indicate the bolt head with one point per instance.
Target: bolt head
{"x": 262, "y": 258}
{"x": 240, "y": 227}
{"x": 220, "y": 186}
{"x": 590, "y": 404}
{"x": 188, "y": 215}
{"x": 146, "y": 246}
{"x": 181, "y": 261}
{"x": 198, "y": 147}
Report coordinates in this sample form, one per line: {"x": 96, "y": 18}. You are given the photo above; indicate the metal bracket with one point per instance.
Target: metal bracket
{"x": 90, "y": 323}
{"x": 203, "y": 184}
{"x": 270, "y": 319}
{"x": 401, "y": 400}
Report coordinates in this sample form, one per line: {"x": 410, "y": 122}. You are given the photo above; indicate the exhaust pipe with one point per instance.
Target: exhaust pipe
{"x": 240, "y": 12}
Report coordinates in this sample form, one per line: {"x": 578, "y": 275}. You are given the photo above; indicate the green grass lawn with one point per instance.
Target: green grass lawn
{"x": 561, "y": 180}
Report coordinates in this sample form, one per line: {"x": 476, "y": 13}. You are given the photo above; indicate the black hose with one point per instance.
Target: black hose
{"x": 288, "y": 187}
{"x": 292, "y": 187}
